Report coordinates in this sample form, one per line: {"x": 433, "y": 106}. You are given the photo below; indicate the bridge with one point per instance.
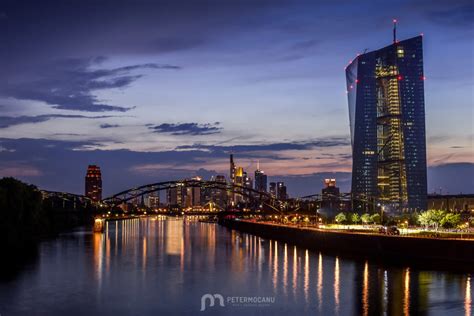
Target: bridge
{"x": 131, "y": 194}
{"x": 67, "y": 200}
{"x": 252, "y": 196}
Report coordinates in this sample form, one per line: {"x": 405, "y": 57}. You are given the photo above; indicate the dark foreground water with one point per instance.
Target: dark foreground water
{"x": 165, "y": 266}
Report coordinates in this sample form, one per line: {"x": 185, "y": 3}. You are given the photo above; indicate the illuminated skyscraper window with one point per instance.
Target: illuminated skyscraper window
{"x": 387, "y": 121}
{"x": 93, "y": 188}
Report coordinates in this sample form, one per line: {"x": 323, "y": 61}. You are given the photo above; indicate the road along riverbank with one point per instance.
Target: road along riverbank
{"x": 452, "y": 254}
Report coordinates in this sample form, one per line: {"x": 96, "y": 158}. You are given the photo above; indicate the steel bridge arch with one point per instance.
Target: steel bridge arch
{"x": 133, "y": 193}
{"x": 65, "y": 196}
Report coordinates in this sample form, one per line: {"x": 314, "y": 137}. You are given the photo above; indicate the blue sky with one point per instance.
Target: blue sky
{"x": 156, "y": 90}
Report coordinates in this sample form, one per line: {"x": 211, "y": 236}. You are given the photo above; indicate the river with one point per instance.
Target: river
{"x": 159, "y": 266}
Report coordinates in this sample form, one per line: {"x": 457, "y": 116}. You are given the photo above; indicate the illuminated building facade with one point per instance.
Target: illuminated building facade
{"x": 238, "y": 180}
{"x": 153, "y": 201}
{"x": 192, "y": 195}
{"x": 232, "y": 169}
{"x": 273, "y": 189}
{"x": 175, "y": 195}
{"x": 281, "y": 191}
{"x": 93, "y": 188}
{"x": 330, "y": 196}
{"x": 260, "y": 181}
{"x": 387, "y": 120}
{"x": 218, "y": 196}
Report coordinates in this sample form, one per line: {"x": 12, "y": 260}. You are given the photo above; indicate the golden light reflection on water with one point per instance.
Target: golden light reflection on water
{"x": 174, "y": 236}
{"x": 385, "y": 292}
{"x": 336, "y": 286}
{"x": 295, "y": 270}
{"x": 468, "y": 300}
{"x": 320, "y": 282}
{"x": 365, "y": 290}
{"x": 285, "y": 268}
{"x": 406, "y": 292}
{"x": 275, "y": 267}
{"x": 97, "y": 246}
{"x": 272, "y": 265}
{"x": 306, "y": 276}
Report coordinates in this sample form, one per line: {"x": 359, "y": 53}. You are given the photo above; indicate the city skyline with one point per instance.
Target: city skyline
{"x": 140, "y": 104}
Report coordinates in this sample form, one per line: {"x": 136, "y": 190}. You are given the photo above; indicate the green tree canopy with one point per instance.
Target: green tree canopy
{"x": 375, "y": 218}
{"x": 450, "y": 220}
{"x": 365, "y": 218}
{"x": 341, "y": 218}
{"x": 433, "y": 218}
{"x": 355, "y": 218}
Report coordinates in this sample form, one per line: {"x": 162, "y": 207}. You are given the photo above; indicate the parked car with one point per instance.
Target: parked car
{"x": 392, "y": 230}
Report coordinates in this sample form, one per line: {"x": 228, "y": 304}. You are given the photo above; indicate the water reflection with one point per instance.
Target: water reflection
{"x": 365, "y": 290}
{"x": 468, "y": 301}
{"x": 166, "y": 265}
{"x": 320, "y": 282}
{"x": 336, "y": 286}
{"x": 406, "y": 293}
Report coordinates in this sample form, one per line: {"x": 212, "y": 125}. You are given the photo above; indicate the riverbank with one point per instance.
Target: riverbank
{"x": 427, "y": 252}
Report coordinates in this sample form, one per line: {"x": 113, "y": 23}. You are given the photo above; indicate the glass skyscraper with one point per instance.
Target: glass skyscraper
{"x": 93, "y": 183}
{"x": 385, "y": 91}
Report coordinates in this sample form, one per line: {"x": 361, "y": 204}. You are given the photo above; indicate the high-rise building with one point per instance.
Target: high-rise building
{"x": 247, "y": 181}
{"x": 330, "y": 196}
{"x": 273, "y": 191}
{"x": 281, "y": 191}
{"x": 175, "y": 195}
{"x": 232, "y": 169}
{"x": 232, "y": 178}
{"x": 238, "y": 180}
{"x": 218, "y": 196}
{"x": 153, "y": 198}
{"x": 153, "y": 201}
{"x": 93, "y": 181}
{"x": 260, "y": 180}
{"x": 387, "y": 121}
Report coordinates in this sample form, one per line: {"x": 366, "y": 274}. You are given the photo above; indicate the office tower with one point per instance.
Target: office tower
{"x": 273, "y": 189}
{"x": 153, "y": 198}
{"x": 387, "y": 121}
{"x": 93, "y": 183}
{"x": 232, "y": 179}
{"x": 175, "y": 195}
{"x": 239, "y": 181}
{"x": 192, "y": 195}
{"x": 260, "y": 180}
{"x": 232, "y": 169}
{"x": 218, "y": 196}
{"x": 247, "y": 181}
{"x": 330, "y": 196}
{"x": 153, "y": 201}
{"x": 281, "y": 191}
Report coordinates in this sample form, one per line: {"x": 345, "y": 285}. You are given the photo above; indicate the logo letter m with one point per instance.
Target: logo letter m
{"x": 212, "y": 299}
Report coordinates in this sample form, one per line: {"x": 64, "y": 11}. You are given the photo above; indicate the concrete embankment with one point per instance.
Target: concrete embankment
{"x": 429, "y": 252}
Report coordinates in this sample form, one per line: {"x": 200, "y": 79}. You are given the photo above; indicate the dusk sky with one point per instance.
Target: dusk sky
{"x": 153, "y": 91}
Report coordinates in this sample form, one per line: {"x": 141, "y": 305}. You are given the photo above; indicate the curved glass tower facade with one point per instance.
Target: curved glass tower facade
{"x": 385, "y": 91}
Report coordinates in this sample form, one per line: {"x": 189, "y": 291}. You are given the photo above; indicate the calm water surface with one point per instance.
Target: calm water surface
{"x": 159, "y": 266}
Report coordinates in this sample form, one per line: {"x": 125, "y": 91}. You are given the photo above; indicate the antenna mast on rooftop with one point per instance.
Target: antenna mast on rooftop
{"x": 394, "y": 31}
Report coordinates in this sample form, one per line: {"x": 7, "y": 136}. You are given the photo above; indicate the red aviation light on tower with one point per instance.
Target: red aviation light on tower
{"x": 400, "y": 77}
